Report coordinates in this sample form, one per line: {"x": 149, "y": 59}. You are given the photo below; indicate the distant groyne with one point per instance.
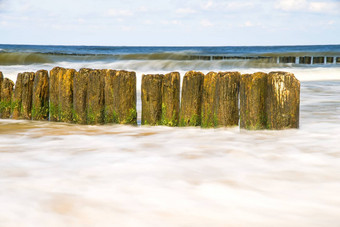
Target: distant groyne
{"x": 104, "y": 96}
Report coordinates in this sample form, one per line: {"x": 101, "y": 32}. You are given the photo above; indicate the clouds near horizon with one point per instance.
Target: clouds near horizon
{"x": 165, "y": 22}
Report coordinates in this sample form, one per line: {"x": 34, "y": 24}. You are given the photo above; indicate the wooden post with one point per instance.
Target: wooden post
{"x": 152, "y": 99}
{"x": 17, "y": 97}
{"x": 191, "y": 100}
{"x": 110, "y": 112}
{"x": 1, "y": 80}
{"x": 124, "y": 96}
{"x": 170, "y": 99}
{"x": 253, "y": 90}
{"x": 227, "y": 109}
{"x": 283, "y": 100}
{"x": 40, "y": 101}
{"x": 209, "y": 98}
{"x": 23, "y": 94}
{"x": 61, "y": 94}
{"x": 80, "y": 86}
{"x": 6, "y": 93}
{"x": 95, "y": 97}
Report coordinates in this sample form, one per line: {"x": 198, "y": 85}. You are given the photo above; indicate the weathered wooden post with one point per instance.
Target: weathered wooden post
{"x": 170, "y": 99}
{"x": 152, "y": 99}
{"x": 61, "y": 94}
{"x": 95, "y": 96}
{"x": 122, "y": 108}
{"x": 27, "y": 95}
{"x": 110, "y": 115}
{"x": 227, "y": 108}
{"x": 191, "y": 100}
{"x": 1, "y": 79}
{"x": 55, "y": 74}
{"x": 283, "y": 100}
{"x": 253, "y": 91}
{"x": 23, "y": 94}
{"x": 6, "y": 93}
{"x": 80, "y": 84}
{"x": 209, "y": 98}
{"x": 17, "y": 97}
{"x": 40, "y": 101}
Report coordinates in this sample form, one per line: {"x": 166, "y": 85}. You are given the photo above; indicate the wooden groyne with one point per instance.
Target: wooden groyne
{"x": 95, "y": 96}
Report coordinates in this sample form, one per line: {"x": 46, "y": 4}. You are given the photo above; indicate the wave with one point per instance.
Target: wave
{"x": 179, "y": 57}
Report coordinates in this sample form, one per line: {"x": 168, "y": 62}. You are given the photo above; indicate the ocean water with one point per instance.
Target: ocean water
{"x": 58, "y": 174}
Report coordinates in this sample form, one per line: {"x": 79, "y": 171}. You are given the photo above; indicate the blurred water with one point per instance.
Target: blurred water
{"x": 57, "y": 174}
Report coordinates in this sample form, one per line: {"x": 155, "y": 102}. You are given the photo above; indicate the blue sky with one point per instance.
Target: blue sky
{"x": 170, "y": 22}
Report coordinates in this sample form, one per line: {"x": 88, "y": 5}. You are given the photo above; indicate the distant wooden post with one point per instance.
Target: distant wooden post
{"x": 191, "y": 100}
{"x": 6, "y": 93}
{"x": 209, "y": 100}
{"x": 61, "y": 94}
{"x": 80, "y": 85}
{"x": 227, "y": 108}
{"x": 152, "y": 99}
{"x": 253, "y": 91}
{"x": 123, "y": 104}
{"x": 40, "y": 101}
{"x": 170, "y": 99}
{"x": 95, "y": 97}
{"x": 283, "y": 100}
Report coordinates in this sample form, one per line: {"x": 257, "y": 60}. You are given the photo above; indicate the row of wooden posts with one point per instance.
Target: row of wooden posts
{"x": 91, "y": 96}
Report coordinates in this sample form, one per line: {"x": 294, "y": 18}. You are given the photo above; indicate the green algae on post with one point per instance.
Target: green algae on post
{"x": 110, "y": 115}
{"x": 209, "y": 98}
{"x": 22, "y": 101}
{"x": 170, "y": 99}
{"x": 152, "y": 99}
{"x": 17, "y": 97}
{"x": 61, "y": 94}
{"x": 227, "y": 109}
{"x": 40, "y": 100}
{"x": 283, "y": 100}
{"x": 1, "y": 79}
{"x": 80, "y": 82}
{"x": 124, "y": 97}
{"x": 6, "y": 93}
{"x": 95, "y": 97}
{"x": 253, "y": 90}
{"x": 191, "y": 100}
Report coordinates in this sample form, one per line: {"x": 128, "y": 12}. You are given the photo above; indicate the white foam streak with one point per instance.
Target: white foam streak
{"x": 56, "y": 174}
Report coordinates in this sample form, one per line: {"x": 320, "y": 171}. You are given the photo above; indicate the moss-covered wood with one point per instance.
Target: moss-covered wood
{"x": 227, "y": 109}
{"x": 253, "y": 89}
{"x": 55, "y": 74}
{"x": 124, "y": 96}
{"x": 95, "y": 97}
{"x": 1, "y": 79}
{"x": 22, "y": 101}
{"x": 152, "y": 99}
{"x": 110, "y": 114}
{"x": 27, "y": 95}
{"x": 170, "y": 99}
{"x": 6, "y": 98}
{"x": 40, "y": 100}
{"x": 80, "y": 85}
{"x": 61, "y": 94}
{"x": 191, "y": 100}
{"x": 17, "y": 97}
{"x": 283, "y": 100}
{"x": 66, "y": 95}
{"x": 209, "y": 98}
